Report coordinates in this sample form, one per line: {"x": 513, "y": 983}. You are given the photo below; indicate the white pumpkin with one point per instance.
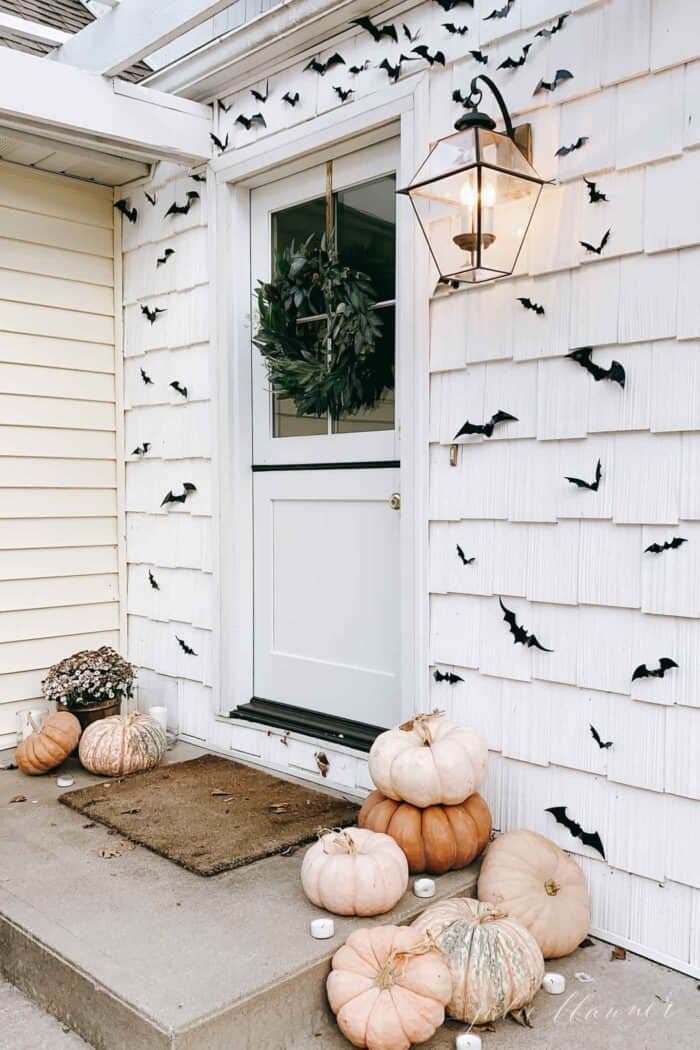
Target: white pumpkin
{"x": 495, "y": 963}
{"x": 539, "y": 885}
{"x": 122, "y": 744}
{"x": 355, "y": 872}
{"x": 428, "y": 761}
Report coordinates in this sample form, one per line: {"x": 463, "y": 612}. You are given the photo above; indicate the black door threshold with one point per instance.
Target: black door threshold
{"x": 315, "y": 724}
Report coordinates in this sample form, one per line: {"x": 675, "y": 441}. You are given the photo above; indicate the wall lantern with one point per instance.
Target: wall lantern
{"x": 475, "y": 195}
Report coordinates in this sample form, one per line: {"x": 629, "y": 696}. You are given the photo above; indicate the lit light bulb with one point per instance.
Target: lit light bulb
{"x": 467, "y": 194}
{"x": 489, "y": 195}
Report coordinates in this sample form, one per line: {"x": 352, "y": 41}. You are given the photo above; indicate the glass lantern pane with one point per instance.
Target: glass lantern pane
{"x": 507, "y": 206}
{"x": 450, "y": 154}
{"x": 500, "y": 151}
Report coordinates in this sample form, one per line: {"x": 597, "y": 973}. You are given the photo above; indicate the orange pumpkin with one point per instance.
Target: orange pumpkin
{"x": 436, "y": 839}
{"x": 50, "y": 745}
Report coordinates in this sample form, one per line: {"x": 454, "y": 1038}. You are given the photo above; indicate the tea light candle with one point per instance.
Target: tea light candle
{"x": 468, "y": 1041}
{"x": 554, "y": 983}
{"x": 321, "y": 929}
{"x": 424, "y": 888}
{"x": 160, "y": 715}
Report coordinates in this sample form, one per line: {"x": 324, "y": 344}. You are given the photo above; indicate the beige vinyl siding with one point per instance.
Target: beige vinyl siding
{"x": 59, "y": 528}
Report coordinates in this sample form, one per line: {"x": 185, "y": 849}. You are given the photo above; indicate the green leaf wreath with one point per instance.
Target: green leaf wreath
{"x": 340, "y": 367}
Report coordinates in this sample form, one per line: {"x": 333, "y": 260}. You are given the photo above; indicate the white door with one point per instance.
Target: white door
{"x": 326, "y": 524}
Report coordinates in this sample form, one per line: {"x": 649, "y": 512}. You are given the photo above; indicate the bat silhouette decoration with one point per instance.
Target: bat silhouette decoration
{"x": 520, "y": 635}
{"x": 658, "y": 548}
{"x": 437, "y": 57}
{"x": 480, "y": 57}
{"x": 356, "y": 70}
{"x": 152, "y": 313}
{"x": 529, "y": 305}
{"x": 151, "y": 198}
{"x": 183, "y": 209}
{"x": 454, "y": 30}
{"x": 463, "y": 558}
{"x": 603, "y": 744}
{"x": 142, "y": 449}
{"x": 179, "y": 388}
{"x": 222, "y": 106}
{"x": 592, "y": 247}
{"x": 564, "y": 151}
{"x": 410, "y": 36}
{"x": 162, "y": 259}
{"x": 153, "y": 581}
{"x": 594, "y": 194}
{"x": 187, "y": 487}
{"x": 394, "y": 72}
{"x": 485, "y": 428}
{"x": 448, "y": 676}
{"x": 665, "y": 664}
{"x": 449, "y": 5}
{"x": 500, "y": 12}
{"x": 199, "y": 178}
{"x": 291, "y": 99}
{"x": 560, "y": 77}
{"x": 582, "y": 356}
{"x": 221, "y": 145}
{"x": 588, "y": 838}
{"x": 187, "y": 649}
{"x": 123, "y": 206}
{"x": 548, "y": 32}
{"x": 377, "y": 32}
{"x": 592, "y": 485}
{"x": 322, "y": 67}
{"x": 343, "y": 93}
{"x": 514, "y": 63}
{"x": 147, "y": 381}
{"x": 250, "y": 122}
{"x": 258, "y": 95}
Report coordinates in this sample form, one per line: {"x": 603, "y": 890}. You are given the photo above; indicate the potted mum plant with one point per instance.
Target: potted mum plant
{"x": 91, "y": 684}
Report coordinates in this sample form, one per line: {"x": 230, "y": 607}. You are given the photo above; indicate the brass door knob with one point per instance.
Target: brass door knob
{"x": 395, "y": 501}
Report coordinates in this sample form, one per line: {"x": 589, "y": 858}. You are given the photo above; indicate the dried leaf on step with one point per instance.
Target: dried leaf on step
{"x": 17, "y": 798}
{"x": 618, "y": 953}
{"x": 8, "y": 765}
{"x": 285, "y": 738}
{"x": 322, "y": 763}
{"x": 586, "y": 943}
{"x": 278, "y": 807}
{"x": 116, "y": 851}
{"x": 488, "y": 1027}
{"x": 130, "y": 812}
{"x": 93, "y": 825}
{"x": 522, "y": 1017}
{"x": 288, "y": 851}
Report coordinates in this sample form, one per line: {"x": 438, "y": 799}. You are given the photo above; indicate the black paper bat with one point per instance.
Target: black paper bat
{"x": 322, "y": 67}
{"x": 356, "y": 70}
{"x": 411, "y": 37}
{"x": 592, "y": 485}
{"x": 452, "y": 29}
{"x": 588, "y": 838}
{"x": 485, "y": 428}
{"x": 221, "y": 146}
{"x": 449, "y": 5}
{"x": 123, "y": 206}
{"x": 547, "y": 33}
{"x": 394, "y": 72}
{"x": 529, "y": 305}
{"x": 480, "y": 57}
{"x": 462, "y": 557}
{"x": 500, "y": 12}
{"x": 146, "y": 378}
{"x": 291, "y": 99}
{"x": 596, "y": 736}
{"x": 594, "y": 194}
{"x": 665, "y": 664}
{"x": 423, "y": 51}
{"x": 249, "y": 122}
{"x": 343, "y": 93}
{"x": 185, "y": 647}
{"x": 199, "y": 178}
{"x": 188, "y": 489}
{"x": 153, "y": 581}
{"x": 183, "y": 209}
{"x": 513, "y": 63}
{"x": 180, "y": 389}
{"x": 582, "y": 356}
{"x": 657, "y": 548}
{"x": 376, "y": 32}
{"x": 162, "y": 259}
{"x": 222, "y": 106}
{"x": 447, "y": 677}
{"x": 142, "y": 449}
{"x": 593, "y": 248}
{"x": 152, "y": 312}
{"x": 560, "y": 77}
{"x": 520, "y": 635}
{"x": 258, "y": 95}
{"x": 564, "y": 151}
{"x": 151, "y": 198}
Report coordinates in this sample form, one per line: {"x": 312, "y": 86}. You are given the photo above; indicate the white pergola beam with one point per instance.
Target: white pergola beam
{"x": 34, "y": 30}
{"x": 133, "y": 30}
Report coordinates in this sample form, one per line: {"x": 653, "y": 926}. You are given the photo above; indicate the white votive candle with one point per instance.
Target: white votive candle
{"x": 159, "y": 715}
{"x": 554, "y": 983}
{"x": 468, "y": 1041}
{"x": 322, "y": 929}
{"x": 424, "y": 887}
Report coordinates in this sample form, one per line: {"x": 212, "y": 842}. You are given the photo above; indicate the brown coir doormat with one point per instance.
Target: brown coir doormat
{"x": 211, "y": 814}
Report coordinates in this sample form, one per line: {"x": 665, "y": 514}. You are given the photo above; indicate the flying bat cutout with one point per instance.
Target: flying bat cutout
{"x": 123, "y": 206}
{"x": 179, "y": 388}
{"x": 449, "y": 676}
{"x": 670, "y": 545}
{"x": 449, "y": 5}
{"x": 162, "y": 259}
{"x": 151, "y": 198}
{"x": 188, "y": 489}
{"x": 665, "y": 664}
{"x": 437, "y": 56}
{"x": 548, "y": 32}
{"x": 520, "y": 635}
{"x": 463, "y": 558}
{"x": 485, "y": 428}
{"x": 500, "y": 12}
{"x": 514, "y": 63}
{"x": 582, "y": 356}
{"x": 394, "y": 72}
{"x": 588, "y": 838}
{"x": 147, "y": 381}
{"x": 560, "y": 77}
{"x": 256, "y": 120}
{"x": 142, "y": 449}
{"x": 594, "y": 194}
{"x": 223, "y": 107}
{"x": 183, "y": 209}
{"x": 199, "y": 178}
{"x": 153, "y": 581}
{"x": 376, "y": 32}
{"x": 529, "y": 305}
{"x": 343, "y": 93}
{"x": 593, "y": 248}
{"x": 221, "y": 145}
{"x": 291, "y": 99}
{"x": 603, "y": 744}
{"x": 356, "y": 70}
{"x": 152, "y": 313}
{"x": 480, "y": 57}
{"x": 187, "y": 649}
{"x": 258, "y": 95}
{"x": 564, "y": 151}
{"x": 454, "y": 30}
{"x": 322, "y": 67}
{"x": 592, "y": 485}
{"x": 410, "y": 36}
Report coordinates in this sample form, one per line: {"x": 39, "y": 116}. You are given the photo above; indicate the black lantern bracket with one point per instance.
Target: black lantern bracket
{"x": 476, "y": 118}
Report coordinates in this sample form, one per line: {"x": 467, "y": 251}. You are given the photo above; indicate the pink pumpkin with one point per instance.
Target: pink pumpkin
{"x": 122, "y": 744}
{"x": 355, "y": 872}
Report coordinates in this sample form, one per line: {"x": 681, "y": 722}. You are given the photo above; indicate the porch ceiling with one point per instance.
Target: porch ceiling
{"x": 46, "y": 154}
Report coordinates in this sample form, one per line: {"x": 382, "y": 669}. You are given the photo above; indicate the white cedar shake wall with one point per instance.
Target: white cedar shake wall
{"x": 59, "y": 551}
{"x": 569, "y": 562}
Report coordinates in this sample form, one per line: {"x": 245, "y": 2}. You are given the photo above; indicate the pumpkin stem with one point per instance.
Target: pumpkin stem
{"x": 421, "y": 724}
{"x": 389, "y": 972}
{"x": 552, "y": 887}
{"x": 340, "y": 837}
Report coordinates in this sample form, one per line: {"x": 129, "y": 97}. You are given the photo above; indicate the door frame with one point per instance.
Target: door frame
{"x": 402, "y": 108}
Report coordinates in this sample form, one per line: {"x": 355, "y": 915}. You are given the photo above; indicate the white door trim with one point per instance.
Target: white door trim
{"x": 232, "y": 453}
